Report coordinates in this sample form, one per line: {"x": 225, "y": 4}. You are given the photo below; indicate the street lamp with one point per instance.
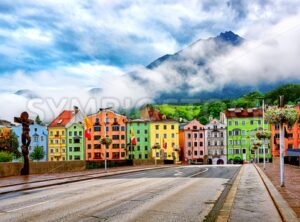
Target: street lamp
{"x": 105, "y": 146}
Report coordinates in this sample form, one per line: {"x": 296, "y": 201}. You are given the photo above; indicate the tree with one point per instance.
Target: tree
{"x": 9, "y": 142}
{"x": 6, "y": 156}
{"x": 38, "y": 120}
{"x": 37, "y": 153}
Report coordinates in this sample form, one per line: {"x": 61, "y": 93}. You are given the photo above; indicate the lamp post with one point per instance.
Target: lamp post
{"x": 105, "y": 146}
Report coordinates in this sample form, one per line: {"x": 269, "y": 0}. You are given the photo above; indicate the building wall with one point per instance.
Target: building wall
{"x": 167, "y": 131}
{"x": 75, "y": 142}
{"x": 215, "y": 142}
{"x": 193, "y": 141}
{"x": 39, "y": 137}
{"x": 142, "y": 149}
{"x": 57, "y": 144}
{"x": 241, "y": 132}
{"x": 291, "y": 141}
{"x": 117, "y": 150}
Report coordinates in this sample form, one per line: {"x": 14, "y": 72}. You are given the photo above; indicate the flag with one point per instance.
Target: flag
{"x": 87, "y": 128}
{"x": 164, "y": 144}
{"x": 132, "y": 137}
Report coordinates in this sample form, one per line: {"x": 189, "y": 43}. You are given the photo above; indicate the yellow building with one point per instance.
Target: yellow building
{"x": 165, "y": 139}
{"x": 57, "y": 150}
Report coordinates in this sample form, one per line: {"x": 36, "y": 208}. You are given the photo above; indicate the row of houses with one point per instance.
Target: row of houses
{"x": 155, "y": 136}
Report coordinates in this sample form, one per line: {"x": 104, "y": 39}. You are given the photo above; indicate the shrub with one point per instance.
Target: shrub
{"x": 6, "y": 156}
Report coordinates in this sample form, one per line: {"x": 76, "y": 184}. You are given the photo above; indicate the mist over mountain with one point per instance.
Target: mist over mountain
{"x": 195, "y": 73}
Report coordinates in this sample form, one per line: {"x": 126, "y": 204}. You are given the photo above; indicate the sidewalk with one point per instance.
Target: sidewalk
{"x": 291, "y": 191}
{"x": 248, "y": 199}
{"x": 19, "y": 180}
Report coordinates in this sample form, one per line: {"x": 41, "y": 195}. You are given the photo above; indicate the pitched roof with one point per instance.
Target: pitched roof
{"x": 63, "y": 119}
{"x": 240, "y": 112}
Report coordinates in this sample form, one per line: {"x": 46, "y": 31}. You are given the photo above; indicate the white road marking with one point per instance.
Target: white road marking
{"x": 21, "y": 208}
{"x": 178, "y": 173}
{"x": 206, "y": 169}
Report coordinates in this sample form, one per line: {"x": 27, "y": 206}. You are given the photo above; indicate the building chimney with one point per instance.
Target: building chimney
{"x": 76, "y": 109}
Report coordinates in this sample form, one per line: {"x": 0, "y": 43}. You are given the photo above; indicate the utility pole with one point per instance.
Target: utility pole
{"x": 281, "y": 129}
{"x": 264, "y": 140}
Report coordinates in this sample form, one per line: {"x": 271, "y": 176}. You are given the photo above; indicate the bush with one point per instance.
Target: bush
{"x": 6, "y": 156}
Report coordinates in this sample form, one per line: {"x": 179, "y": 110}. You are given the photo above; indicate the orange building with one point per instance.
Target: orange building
{"x": 112, "y": 125}
{"x": 291, "y": 137}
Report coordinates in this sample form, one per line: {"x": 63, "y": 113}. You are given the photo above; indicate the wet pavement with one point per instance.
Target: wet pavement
{"x": 252, "y": 201}
{"x": 291, "y": 191}
{"x": 171, "y": 194}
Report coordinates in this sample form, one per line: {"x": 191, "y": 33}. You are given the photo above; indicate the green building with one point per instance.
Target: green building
{"x": 242, "y": 125}
{"x": 75, "y": 141}
{"x": 141, "y": 132}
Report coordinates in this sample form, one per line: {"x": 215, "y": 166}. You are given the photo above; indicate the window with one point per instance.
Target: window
{"x": 76, "y": 140}
{"x": 195, "y": 144}
{"x": 230, "y": 142}
{"x": 236, "y": 123}
{"x": 208, "y": 134}
{"x": 243, "y": 142}
{"x": 97, "y": 146}
{"x": 63, "y": 150}
{"x": 195, "y": 135}
{"x": 115, "y": 137}
{"x": 189, "y": 144}
{"x": 251, "y": 122}
{"x": 107, "y": 154}
{"x": 138, "y": 139}
{"x": 230, "y": 151}
{"x": 157, "y": 127}
{"x": 165, "y": 136}
{"x": 140, "y": 156}
{"x": 146, "y": 131}
{"x": 122, "y": 128}
{"x": 258, "y": 122}
{"x": 51, "y": 133}
{"x": 172, "y": 127}
{"x": 70, "y": 157}
{"x": 146, "y": 148}
{"x": 236, "y": 151}
{"x": 146, "y": 139}
{"x": 172, "y": 135}
{"x": 97, "y": 137}
{"x": 157, "y": 136}
{"x": 97, "y": 120}
{"x": 107, "y": 128}
{"x": 63, "y": 158}
{"x": 195, "y": 152}
{"x": 189, "y": 135}
{"x": 138, "y": 148}
{"x": 63, "y": 133}
{"x": 229, "y": 123}
{"x": 63, "y": 141}
{"x": 75, "y": 133}
{"x": 230, "y": 133}
{"x": 122, "y": 137}
{"x": 76, "y": 157}
{"x": 70, "y": 133}
{"x": 201, "y": 152}
{"x": 243, "y": 122}
{"x": 123, "y": 145}
{"x": 277, "y": 126}
{"x": 138, "y": 132}
{"x": 116, "y": 146}
{"x": 70, "y": 140}
{"x": 89, "y": 146}
{"x": 208, "y": 143}
{"x": 76, "y": 149}
{"x": 51, "y": 150}
{"x": 290, "y": 146}
{"x": 97, "y": 128}
{"x": 243, "y": 132}
{"x": 165, "y": 127}
{"x": 56, "y": 150}
{"x": 115, "y": 128}
{"x": 146, "y": 156}
{"x": 115, "y": 120}
{"x": 201, "y": 135}
{"x": 70, "y": 149}
{"x": 123, "y": 154}
{"x": 80, "y": 133}
{"x": 201, "y": 143}
{"x": 244, "y": 151}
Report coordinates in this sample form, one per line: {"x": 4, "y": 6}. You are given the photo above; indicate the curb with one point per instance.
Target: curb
{"x": 83, "y": 179}
{"x": 225, "y": 211}
{"x": 219, "y": 211}
{"x": 285, "y": 211}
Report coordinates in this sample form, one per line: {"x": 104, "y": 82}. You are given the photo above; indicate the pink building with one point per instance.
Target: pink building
{"x": 191, "y": 141}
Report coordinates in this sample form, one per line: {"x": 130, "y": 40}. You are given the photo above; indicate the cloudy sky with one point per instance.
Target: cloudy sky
{"x": 63, "y": 48}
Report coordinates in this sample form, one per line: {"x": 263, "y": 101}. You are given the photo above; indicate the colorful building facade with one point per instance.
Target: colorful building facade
{"x": 291, "y": 136}
{"x": 75, "y": 141}
{"x": 192, "y": 141}
{"x": 165, "y": 139}
{"x": 39, "y": 137}
{"x": 215, "y": 140}
{"x": 141, "y": 132}
{"x": 107, "y": 124}
{"x": 242, "y": 125}
{"x": 57, "y": 136}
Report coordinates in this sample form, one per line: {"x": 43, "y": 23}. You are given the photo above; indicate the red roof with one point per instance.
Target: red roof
{"x": 63, "y": 119}
{"x": 240, "y": 112}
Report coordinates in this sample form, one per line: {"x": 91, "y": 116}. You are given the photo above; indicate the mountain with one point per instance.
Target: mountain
{"x": 189, "y": 65}
{"x": 27, "y": 93}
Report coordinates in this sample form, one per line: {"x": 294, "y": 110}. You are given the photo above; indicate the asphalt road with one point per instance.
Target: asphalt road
{"x": 171, "y": 194}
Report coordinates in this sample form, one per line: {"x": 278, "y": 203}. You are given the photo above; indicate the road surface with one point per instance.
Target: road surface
{"x": 183, "y": 193}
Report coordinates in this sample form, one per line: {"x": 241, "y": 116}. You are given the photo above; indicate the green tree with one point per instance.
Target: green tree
{"x": 203, "y": 120}
{"x": 9, "y": 143}
{"x": 6, "y": 156}
{"x": 37, "y": 153}
{"x": 38, "y": 120}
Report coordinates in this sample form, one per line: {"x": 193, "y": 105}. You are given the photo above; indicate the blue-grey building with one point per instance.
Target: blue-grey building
{"x": 39, "y": 137}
